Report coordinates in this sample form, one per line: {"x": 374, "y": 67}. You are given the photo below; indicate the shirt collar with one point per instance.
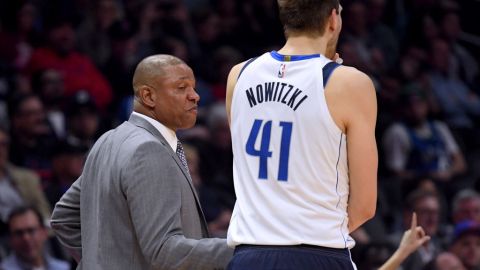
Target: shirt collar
{"x": 166, "y": 132}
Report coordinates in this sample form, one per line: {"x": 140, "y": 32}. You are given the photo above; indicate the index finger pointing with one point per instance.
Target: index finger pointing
{"x": 414, "y": 221}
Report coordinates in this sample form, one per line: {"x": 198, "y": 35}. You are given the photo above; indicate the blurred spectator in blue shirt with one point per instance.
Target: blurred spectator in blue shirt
{"x": 421, "y": 148}
{"x": 28, "y": 236}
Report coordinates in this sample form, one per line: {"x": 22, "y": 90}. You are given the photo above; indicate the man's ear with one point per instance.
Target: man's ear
{"x": 147, "y": 96}
{"x": 333, "y": 20}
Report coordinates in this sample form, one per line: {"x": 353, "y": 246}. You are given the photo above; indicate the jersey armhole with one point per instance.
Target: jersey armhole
{"x": 327, "y": 71}
{"x": 244, "y": 66}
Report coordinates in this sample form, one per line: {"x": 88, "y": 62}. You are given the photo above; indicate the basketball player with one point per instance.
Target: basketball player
{"x": 305, "y": 157}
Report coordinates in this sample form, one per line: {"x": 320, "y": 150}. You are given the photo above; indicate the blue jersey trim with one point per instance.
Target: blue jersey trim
{"x": 289, "y": 58}
{"x": 336, "y": 188}
{"x": 327, "y": 71}
{"x": 244, "y": 66}
{"x": 336, "y": 168}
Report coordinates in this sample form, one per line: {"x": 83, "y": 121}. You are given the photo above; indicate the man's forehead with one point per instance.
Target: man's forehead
{"x": 179, "y": 68}
{"x": 24, "y": 219}
{"x": 179, "y": 72}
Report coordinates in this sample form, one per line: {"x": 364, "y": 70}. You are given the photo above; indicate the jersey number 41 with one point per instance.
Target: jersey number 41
{"x": 264, "y": 152}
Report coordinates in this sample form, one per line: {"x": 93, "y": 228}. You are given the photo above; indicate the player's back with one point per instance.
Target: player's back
{"x": 290, "y": 163}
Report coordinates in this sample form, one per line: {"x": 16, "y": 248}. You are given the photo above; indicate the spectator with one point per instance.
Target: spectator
{"x": 463, "y": 65}
{"x": 357, "y": 33}
{"x": 175, "y": 21}
{"x": 388, "y": 91}
{"x": 19, "y": 33}
{"x": 83, "y": 120}
{"x": 18, "y": 186}
{"x": 460, "y": 106}
{"x": 144, "y": 15}
{"x": 28, "y": 237}
{"x": 427, "y": 207}
{"x": 93, "y": 38}
{"x": 228, "y": 11}
{"x": 422, "y": 30}
{"x": 32, "y": 137}
{"x": 207, "y": 28}
{"x": 412, "y": 240}
{"x": 418, "y": 147}
{"x": 445, "y": 261}
{"x": 382, "y": 256}
{"x": 382, "y": 34}
{"x": 207, "y": 25}
{"x": 466, "y": 244}
{"x": 50, "y": 87}
{"x": 121, "y": 63}
{"x": 68, "y": 159}
{"x": 412, "y": 63}
{"x": 466, "y": 206}
{"x": 77, "y": 69}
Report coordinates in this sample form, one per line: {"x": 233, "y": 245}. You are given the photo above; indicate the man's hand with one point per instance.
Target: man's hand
{"x": 337, "y": 59}
{"x": 412, "y": 239}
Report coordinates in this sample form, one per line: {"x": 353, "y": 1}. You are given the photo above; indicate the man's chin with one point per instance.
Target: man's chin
{"x": 188, "y": 124}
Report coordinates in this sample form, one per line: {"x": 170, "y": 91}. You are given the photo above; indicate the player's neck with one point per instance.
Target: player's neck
{"x": 301, "y": 45}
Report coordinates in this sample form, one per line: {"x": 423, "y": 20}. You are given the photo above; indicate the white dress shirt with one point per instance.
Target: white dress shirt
{"x": 166, "y": 132}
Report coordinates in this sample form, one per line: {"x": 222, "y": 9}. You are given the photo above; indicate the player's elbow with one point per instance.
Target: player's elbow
{"x": 364, "y": 215}
{"x": 366, "y": 211}
{"x": 359, "y": 216}
{"x": 369, "y": 211}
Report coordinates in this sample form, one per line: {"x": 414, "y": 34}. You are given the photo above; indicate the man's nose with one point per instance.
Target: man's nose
{"x": 193, "y": 95}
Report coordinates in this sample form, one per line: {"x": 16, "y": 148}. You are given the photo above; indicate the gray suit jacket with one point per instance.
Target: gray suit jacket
{"x": 134, "y": 207}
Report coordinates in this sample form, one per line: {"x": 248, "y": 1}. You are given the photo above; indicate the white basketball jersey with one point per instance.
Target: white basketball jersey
{"x": 290, "y": 160}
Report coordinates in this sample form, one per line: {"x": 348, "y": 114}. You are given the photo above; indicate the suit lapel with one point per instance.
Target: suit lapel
{"x": 142, "y": 123}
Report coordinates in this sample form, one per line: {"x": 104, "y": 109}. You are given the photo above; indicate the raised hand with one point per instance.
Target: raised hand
{"x": 412, "y": 239}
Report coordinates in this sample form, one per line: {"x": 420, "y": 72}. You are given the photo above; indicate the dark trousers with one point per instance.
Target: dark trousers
{"x": 253, "y": 257}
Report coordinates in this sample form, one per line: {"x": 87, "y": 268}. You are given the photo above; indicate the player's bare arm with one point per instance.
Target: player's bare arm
{"x": 231, "y": 81}
{"x": 352, "y": 102}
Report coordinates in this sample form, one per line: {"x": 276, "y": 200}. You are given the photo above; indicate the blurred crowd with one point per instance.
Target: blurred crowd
{"x": 65, "y": 78}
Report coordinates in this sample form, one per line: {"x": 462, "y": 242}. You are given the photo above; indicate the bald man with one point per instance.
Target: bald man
{"x": 134, "y": 206}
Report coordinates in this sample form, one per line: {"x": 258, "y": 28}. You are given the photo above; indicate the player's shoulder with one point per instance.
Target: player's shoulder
{"x": 351, "y": 76}
{"x": 350, "y": 82}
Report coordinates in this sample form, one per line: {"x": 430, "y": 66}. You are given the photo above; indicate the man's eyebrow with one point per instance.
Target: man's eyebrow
{"x": 184, "y": 80}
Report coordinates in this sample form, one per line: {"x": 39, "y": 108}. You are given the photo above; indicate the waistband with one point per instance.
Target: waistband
{"x": 342, "y": 253}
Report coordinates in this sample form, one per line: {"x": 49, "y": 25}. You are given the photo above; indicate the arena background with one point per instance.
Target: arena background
{"x": 65, "y": 78}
